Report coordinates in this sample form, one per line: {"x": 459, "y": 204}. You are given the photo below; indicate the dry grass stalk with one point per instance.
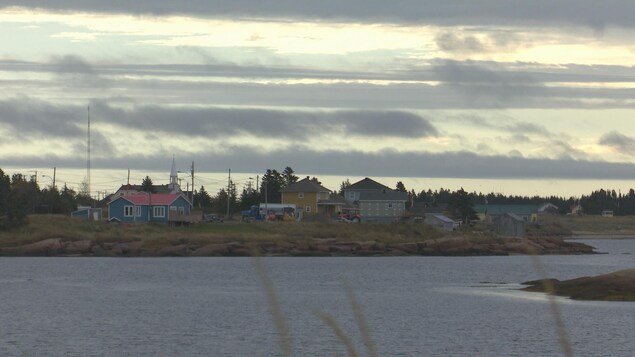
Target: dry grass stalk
{"x": 561, "y": 330}
{"x": 339, "y": 332}
{"x": 360, "y": 320}
{"x": 278, "y": 317}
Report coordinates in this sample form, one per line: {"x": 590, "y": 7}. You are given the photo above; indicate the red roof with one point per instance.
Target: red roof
{"x": 159, "y": 199}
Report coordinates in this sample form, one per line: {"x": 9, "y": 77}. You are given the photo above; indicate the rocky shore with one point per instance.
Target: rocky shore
{"x": 452, "y": 246}
{"x": 616, "y": 286}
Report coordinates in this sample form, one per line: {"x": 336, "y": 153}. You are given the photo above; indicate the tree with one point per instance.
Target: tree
{"x": 462, "y": 206}
{"x": 249, "y": 197}
{"x": 344, "y": 185}
{"x": 401, "y": 187}
{"x": 147, "y": 185}
{"x": 272, "y": 183}
{"x": 288, "y": 176}
{"x": 202, "y": 198}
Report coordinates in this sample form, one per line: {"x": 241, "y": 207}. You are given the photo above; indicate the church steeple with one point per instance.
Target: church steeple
{"x": 174, "y": 179}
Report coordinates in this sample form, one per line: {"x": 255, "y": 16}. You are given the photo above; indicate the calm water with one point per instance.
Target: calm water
{"x": 431, "y": 306}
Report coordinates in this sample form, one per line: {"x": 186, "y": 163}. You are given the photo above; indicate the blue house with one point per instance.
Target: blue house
{"x": 145, "y": 207}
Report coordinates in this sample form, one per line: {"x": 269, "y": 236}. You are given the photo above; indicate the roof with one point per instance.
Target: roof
{"x": 442, "y": 218}
{"x": 155, "y": 199}
{"x": 502, "y": 209}
{"x": 333, "y": 200}
{"x": 367, "y": 184}
{"x": 157, "y": 188}
{"x": 383, "y": 195}
{"x": 305, "y": 185}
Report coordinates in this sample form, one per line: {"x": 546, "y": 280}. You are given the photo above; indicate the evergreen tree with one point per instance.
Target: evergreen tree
{"x": 462, "y": 206}
{"x": 147, "y": 185}
{"x": 202, "y": 198}
{"x": 289, "y": 176}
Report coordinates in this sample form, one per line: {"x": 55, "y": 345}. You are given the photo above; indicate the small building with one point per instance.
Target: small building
{"x": 85, "y": 212}
{"x": 548, "y": 209}
{"x": 440, "y": 221}
{"x": 146, "y": 207}
{"x": 528, "y": 213}
{"x": 509, "y": 224}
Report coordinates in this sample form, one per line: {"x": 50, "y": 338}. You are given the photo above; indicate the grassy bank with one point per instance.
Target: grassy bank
{"x": 594, "y": 225}
{"x": 42, "y": 227}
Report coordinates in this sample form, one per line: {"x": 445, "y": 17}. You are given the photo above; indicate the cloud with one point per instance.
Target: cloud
{"x": 281, "y": 124}
{"x": 31, "y": 118}
{"x": 484, "y": 12}
{"x": 451, "y": 42}
{"x": 619, "y": 142}
{"x": 460, "y": 164}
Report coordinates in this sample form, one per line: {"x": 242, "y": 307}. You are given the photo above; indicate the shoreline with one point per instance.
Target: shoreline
{"x": 315, "y": 247}
{"x": 592, "y": 236}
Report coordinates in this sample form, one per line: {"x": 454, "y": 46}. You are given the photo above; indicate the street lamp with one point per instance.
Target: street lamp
{"x": 51, "y": 178}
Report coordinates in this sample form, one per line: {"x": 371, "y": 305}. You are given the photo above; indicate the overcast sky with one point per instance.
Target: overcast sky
{"x": 409, "y": 88}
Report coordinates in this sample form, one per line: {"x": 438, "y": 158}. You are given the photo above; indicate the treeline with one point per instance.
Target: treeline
{"x": 21, "y": 196}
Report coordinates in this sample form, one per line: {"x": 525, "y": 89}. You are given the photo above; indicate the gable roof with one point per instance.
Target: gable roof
{"x": 157, "y": 188}
{"x": 305, "y": 185}
{"x": 155, "y": 199}
{"x": 367, "y": 184}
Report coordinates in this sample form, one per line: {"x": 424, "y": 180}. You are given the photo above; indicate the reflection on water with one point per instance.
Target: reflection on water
{"x": 433, "y": 306}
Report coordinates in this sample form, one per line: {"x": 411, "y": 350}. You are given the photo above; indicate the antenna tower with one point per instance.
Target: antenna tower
{"x": 88, "y": 155}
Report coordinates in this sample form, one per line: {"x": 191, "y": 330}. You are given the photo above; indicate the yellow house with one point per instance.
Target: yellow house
{"x": 306, "y": 195}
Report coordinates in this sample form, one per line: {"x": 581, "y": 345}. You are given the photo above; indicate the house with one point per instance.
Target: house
{"x": 84, "y": 212}
{"x": 509, "y": 224}
{"x": 172, "y": 187}
{"x": 440, "y": 221}
{"x": 549, "y": 209}
{"x": 376, "y": 202}
{"x": 308, "y": 196}
{"x": 146, "y": 207}
{"x": 528, "y": 213}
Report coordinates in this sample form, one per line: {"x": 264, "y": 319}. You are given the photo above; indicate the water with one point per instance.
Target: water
{"x": 431, "y": 306}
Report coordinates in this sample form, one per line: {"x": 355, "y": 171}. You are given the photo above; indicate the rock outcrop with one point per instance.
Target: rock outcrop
{"x": 616, "y": 286}
{"x": 452, "y": 246}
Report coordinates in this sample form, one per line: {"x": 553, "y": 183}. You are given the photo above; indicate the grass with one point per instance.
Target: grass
{"x": 579, "y": 225}
{"x": 42, "y": 227}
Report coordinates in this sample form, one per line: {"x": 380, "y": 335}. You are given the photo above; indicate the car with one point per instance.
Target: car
{"x": 212, "y": 218}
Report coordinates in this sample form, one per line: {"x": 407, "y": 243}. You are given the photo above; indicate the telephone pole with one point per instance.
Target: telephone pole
{"x": 229, "y": 183}
{"x": 192, "y": 174}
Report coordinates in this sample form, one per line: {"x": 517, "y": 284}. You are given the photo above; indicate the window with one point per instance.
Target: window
{"x": 300, "y": 194}
{"x": 158, "y": 211}
{"x": 351, "y": 195}
{"x": 307, "y": 209}
{"x": 390, "y": 205}
{"x": 137, "y": 211}
{"x": 181, "y": 210}
{"x": 127, "y": 211}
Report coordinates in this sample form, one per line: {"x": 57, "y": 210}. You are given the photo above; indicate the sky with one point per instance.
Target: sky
{"x": 536, "y": 97}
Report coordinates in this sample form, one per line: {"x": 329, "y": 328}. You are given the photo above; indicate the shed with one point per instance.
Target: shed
{"x": 84, "y": 212}
{"x": 509, "y": 224}
{"x": 440, "y": 221}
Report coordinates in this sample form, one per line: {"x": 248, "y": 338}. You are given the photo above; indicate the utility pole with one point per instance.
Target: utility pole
{"x": 54, "y": 173}
{"x": 192, "y": 174}
{"x": 229, "y": 183}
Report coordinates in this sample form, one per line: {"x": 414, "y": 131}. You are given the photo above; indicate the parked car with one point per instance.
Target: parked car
{"x": 212, "y": 218}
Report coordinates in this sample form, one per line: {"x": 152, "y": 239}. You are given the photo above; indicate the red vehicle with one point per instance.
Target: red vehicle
{"x": 350, "y": 215}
